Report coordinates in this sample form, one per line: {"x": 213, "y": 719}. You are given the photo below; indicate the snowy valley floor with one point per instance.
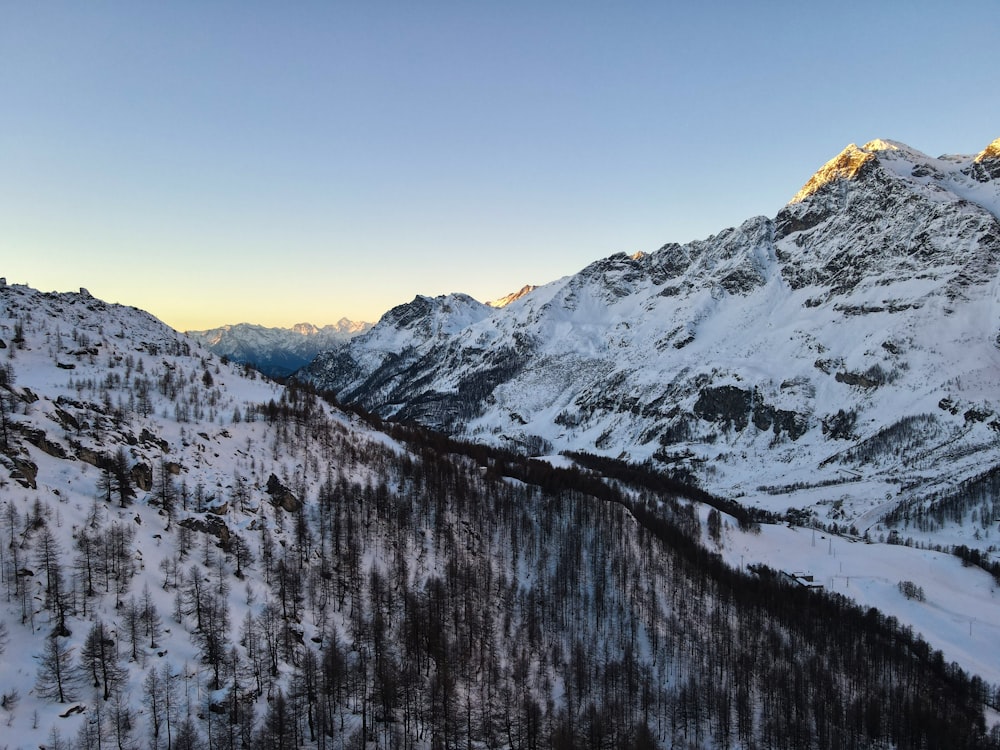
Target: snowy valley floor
{"x": 960, "y": 614}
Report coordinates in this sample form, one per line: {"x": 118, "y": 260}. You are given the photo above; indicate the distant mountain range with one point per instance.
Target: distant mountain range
{"x": 840, "y": 356}
{"x": 277, "y": 352}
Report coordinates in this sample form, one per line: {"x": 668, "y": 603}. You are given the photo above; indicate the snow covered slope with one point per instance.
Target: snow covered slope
{"x": 277, "y": 352}
{"x": 841, "y": 356}
{"x": 125, "y": 442}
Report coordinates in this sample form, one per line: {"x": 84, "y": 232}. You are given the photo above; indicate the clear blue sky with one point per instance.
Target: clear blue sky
{"x": 221, "y": 162}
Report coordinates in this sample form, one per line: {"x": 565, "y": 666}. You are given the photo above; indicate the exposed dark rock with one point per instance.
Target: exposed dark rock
{"x": 142, "y": 476}
{"x": 840, "y": 426}
{"x": 725, "y": 405}
{"x": 792, "y": 423}
{"x": 87, "y": 455}
{"x": 873, "y": 377}
{"x": 790, "y": 220}
{"x": 24, "y": 473}
{"x": 948, "y": 405}
{"x": 977, "y": 415}
{"x": 66, "y": 402}
{"x": 66, "y": 419}
{"x": 742, "y": 280}
{"x": 853, "y": 378}
{"x": 40, "y": 440}
{"x": 148, "y": 437}
{"x": 281, "y": 495}
{"x": 213, "y": 525}
{"x": 986, "y": 166}
{"x": 986, "y": 170}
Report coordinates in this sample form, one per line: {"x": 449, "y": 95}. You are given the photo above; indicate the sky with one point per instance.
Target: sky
{"x": 277, "y": 163}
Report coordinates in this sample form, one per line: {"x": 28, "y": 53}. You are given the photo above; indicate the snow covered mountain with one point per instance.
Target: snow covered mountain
{"x": 196, "y": 557}
{"x": 277, "y": 352}
{"x": 840, "y": 357}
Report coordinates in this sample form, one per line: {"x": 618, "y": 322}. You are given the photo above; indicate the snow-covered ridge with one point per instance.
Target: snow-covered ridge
{"x": 512, "y": 297}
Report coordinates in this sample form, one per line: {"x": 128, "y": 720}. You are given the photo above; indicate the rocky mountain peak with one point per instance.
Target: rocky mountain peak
{"x": 877, "y": 215}
{"x": 990, "y": 152}
{"x": 421, "y": 309}
{"x": 880, "y": 144}
{"x": 849, "y": 163}
{"x": 986, "y": 166}
{"x": 512, "y": 297}
{"x": 844, "y": 166}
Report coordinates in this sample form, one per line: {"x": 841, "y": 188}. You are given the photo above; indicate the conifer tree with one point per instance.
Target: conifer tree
{"x": 99, "y": 661}
{"x": 56, "y": 680}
